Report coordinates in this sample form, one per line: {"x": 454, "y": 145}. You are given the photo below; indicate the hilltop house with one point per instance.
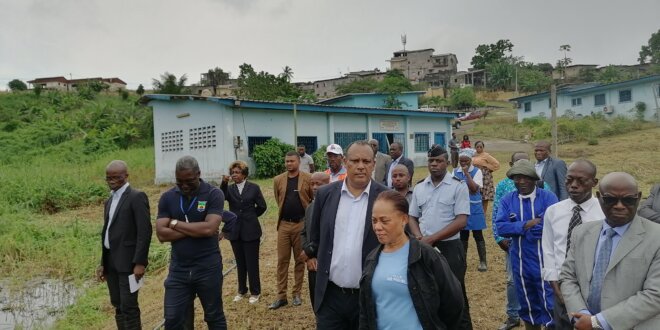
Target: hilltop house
{"x": 62, "y": 84}
{"x": 585, "y": 99}
{"x": 218, "y": 130}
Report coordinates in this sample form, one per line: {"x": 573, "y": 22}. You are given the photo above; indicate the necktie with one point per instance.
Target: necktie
{"x": 576, "y": 220}
{"x": 602, "y": 260}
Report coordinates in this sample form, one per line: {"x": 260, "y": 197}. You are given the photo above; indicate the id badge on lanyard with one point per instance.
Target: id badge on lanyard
{"x": 185, "y": 212}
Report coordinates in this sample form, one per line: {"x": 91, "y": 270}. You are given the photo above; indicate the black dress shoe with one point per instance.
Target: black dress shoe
{"x": 278, "y": 303}
{"x": 509, "y": 324}
{"x": 297, "y": 301}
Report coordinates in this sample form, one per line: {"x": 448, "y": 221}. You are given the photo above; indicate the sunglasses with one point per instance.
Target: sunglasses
{"x": 611, "y": 201}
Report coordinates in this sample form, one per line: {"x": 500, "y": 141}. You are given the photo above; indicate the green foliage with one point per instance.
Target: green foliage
{"x": 140, "y": 90}
{"x": 37, "y": 90}
{"x": 639, "y": 110}
{"x": 612, "y": 74}
{"x": 462, "y": 98}
{"x": 433, "y": 101}
{"x": 268, "y": 87}
{"x": 570, "y": 128}
{"x": 215, "y": 77}
{"x": 395, "y": 82}
{"x": 592, "y": 142}
{"x": 269, "y": 157}
{"x": 367, "y": 85}
{"x": 533, "y": 80}
{"x": 17, "y": 85}
{"x": 650, "y": 53}
{"x": 168, "y": 84}
{"x": 124, "y": 94}
{"x": 500, "y": 74}
{"x": 320, "y": 160}
{"x": 487, "y": 54}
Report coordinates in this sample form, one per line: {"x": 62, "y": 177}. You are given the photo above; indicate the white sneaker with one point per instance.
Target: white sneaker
{"x": 253, "y": 299}
{"x": 238, "y": 298}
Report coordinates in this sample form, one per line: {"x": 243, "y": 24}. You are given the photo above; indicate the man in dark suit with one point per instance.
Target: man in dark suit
{"x": 551, "y": 170}
{"x": 341, "y": 237}
{"x": 396, "y": 152}
{"x": 125, "y": 240}
{"x": 611, "y": 276}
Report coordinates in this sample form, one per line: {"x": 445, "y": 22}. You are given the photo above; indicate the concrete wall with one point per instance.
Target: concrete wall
{"x": 410, "y": 101}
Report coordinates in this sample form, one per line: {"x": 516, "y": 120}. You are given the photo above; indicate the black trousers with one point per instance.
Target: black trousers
{"x": 340, "y": 309}
{"x": 247, "y": 265}
{"x": 455, "y": 255}
{"x": 127, "y": 311}
{"x": 311, "y": 276}
{"x": 478, "y": 235}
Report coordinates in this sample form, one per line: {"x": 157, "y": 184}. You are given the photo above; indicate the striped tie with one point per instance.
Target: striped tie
{"x": 600, "y": 267}
{"x": 576, "y": 220}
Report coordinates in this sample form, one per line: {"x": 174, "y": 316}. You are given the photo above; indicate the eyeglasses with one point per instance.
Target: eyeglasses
{"x": 611, "y": 200}
{"x": 114, "y": 178}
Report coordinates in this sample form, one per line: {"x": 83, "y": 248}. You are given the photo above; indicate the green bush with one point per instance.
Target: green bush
{"x": 320, "y": 161}
{"x": 269, "y": 157}
{"x": 592, "y": 142}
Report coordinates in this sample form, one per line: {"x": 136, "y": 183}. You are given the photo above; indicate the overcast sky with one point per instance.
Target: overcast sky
{"x": 139, "y": 40}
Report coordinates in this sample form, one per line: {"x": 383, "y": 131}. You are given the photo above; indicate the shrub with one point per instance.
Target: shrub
{"x": 592, "y": 142}
{"x": 320, "y": 162}
{"x": 124, "y": 94}
{"x": 17, "y": 85}
{"x": 269, "y": 157}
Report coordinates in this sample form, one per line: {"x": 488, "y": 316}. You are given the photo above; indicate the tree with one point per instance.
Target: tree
{"x": 287, "y": 73}
{"x": 168, "y": 84}
{"x": 486, "y": 54}
{"x": 531, "y": 79}
{"x": 612, "y": 74}
{"x": 395, "y": 82}
{"x": 462, "y": 98}
{"x": 17, "y": 85}
{"x": 216, "y": 77}
{"x": 268, "y": 87}
{"x": 544, "y": 67}
{"x": 140, "y": 90}
{"x": 367, "y": 85}
{"x": 563, "y": 63}
{"x": 500, "y": 74}
{"x": 651, "y": 51}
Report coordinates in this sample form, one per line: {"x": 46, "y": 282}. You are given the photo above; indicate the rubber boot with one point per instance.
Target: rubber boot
{"x": 483, "y": 264}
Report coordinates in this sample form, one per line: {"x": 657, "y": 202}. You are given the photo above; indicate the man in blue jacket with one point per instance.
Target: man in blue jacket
{"x": 520, "y": 217}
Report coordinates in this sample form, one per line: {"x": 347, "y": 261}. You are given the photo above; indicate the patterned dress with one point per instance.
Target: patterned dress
{"x": 487, "y": 164}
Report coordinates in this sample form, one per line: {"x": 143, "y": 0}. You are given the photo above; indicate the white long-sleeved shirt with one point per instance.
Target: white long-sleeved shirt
{"x": 555, "y": 230}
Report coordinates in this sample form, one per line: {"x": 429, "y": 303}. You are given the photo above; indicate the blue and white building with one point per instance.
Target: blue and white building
{"x": 218, "y": 130}
{"x": 616, "y": 99}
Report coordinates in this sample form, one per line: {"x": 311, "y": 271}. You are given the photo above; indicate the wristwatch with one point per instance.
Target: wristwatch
{"x": 173, "y": 223}
{"x": 595, "y": 324}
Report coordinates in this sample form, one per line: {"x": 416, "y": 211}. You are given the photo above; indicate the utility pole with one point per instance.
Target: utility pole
{"x": 553, "y": 106}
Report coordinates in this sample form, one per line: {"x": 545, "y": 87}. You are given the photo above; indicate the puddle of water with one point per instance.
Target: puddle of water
{"x": 36, "y": 305}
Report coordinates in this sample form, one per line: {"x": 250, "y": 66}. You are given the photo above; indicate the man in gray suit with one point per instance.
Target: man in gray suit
{"x": 382, "y": 162}
{"x": 650, "y": 209}
{"x": 551, "y": 170}
{"x": 611, "y": 276}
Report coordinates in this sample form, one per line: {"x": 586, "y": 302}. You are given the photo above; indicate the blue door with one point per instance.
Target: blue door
{"x": 439, "y": 138}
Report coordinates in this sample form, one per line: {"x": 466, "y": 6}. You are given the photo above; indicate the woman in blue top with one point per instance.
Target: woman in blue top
{"x": 473, "y": 177}
{"x": 405, "y": 284}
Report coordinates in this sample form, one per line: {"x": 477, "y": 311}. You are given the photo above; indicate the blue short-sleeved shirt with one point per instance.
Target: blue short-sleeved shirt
{"x": 437, "y": 206}
{"x": 193, "y": 251}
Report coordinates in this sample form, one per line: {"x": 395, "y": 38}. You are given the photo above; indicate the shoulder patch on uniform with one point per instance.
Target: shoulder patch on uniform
{"x": 457, "y": 179}
{"x": 420, "y": 181}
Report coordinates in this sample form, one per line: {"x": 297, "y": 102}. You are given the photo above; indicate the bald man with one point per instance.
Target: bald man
{"x": 611, "y": 276}
{"x": 318, "y": 180}
{"x": 125, "y": 240}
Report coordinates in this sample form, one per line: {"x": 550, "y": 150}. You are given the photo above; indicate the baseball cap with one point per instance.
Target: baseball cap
{"x": 334, "y": 149}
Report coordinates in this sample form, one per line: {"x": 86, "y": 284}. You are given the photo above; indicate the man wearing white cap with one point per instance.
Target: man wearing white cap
{"x": 336, "y": 169}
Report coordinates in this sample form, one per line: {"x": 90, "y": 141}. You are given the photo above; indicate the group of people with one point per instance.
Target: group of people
{"x": 382, "y": 254}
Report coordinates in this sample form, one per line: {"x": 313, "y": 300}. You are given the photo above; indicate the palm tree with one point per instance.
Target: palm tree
{"x": 168, "y": 84}
{"x": 287, "y": 73}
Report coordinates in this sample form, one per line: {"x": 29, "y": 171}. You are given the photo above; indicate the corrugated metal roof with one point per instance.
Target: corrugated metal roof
{"x": 274, "y": 105}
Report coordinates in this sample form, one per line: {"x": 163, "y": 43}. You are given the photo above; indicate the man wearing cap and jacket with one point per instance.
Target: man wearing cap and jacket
{"x": 336, "y": 169}
{"x": 520, "y": 217}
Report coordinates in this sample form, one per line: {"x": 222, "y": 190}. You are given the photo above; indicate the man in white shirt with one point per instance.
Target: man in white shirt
{"x": 560, "y": 221}
{"x": 341, "y": 237}
{"x": 306, "y": 161}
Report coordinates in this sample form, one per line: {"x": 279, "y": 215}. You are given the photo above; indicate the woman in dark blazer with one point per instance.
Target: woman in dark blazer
{"x": 247, "y": 202}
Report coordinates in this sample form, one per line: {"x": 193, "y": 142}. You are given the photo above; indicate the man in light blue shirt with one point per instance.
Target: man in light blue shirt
{"x": 438, "y": 211}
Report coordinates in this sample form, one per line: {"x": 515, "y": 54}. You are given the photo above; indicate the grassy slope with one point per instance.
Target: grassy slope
{"x": 485, "y": 289}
